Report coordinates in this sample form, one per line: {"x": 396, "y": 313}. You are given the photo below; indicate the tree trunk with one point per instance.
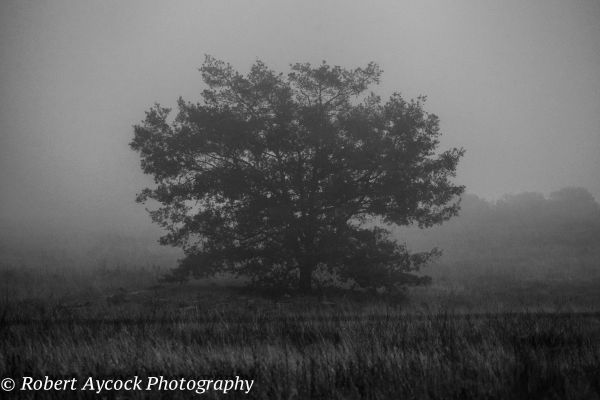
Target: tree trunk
{"x": 306, "y": 277}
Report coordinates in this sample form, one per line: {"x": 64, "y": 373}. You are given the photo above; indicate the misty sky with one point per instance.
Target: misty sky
{"x": 516, "y": 83}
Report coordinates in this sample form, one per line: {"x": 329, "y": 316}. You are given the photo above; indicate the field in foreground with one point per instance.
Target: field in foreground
{"x": 300, "y": 348}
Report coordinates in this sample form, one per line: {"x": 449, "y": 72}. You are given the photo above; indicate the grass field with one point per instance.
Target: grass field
{"x": 434, "y": 344}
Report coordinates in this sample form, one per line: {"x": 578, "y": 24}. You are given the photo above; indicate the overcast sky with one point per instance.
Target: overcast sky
{"x": 516, "y": 83}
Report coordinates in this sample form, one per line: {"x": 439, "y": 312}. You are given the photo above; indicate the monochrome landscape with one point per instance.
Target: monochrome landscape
{"x": 300, "y": 200}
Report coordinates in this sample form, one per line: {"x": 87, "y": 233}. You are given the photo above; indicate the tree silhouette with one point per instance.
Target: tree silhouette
{"x": 278, "y": 176}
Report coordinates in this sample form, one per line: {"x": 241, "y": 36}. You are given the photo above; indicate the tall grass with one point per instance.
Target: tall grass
{"x": 321, "y": 353}
{"x": 120, "y": 323}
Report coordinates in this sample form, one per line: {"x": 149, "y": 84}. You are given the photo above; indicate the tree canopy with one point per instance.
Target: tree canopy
{"x": 280, "y": 177}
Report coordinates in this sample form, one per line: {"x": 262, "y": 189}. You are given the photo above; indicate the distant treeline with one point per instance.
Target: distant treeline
{"x": 519, "y": 237}
{"x": 525, "y": 235}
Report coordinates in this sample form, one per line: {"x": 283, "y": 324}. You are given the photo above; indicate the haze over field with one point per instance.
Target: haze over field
{"x": 517, "y": 84}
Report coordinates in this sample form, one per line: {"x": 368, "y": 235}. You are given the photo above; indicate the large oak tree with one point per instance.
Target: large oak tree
{"x": 285, "y": 177}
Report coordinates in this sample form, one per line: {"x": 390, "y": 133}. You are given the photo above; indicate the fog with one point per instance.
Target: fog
{"x": 517, "y": 84}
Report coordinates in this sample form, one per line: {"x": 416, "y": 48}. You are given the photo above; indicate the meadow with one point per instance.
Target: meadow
{"x": 434, "y": 343}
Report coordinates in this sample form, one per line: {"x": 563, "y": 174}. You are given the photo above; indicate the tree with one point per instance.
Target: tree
{"x": 278, "y": 176}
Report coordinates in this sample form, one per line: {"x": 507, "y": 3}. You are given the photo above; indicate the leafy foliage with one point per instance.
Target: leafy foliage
{"x": 274, "y": 176}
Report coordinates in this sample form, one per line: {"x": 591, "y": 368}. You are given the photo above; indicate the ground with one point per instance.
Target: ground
{"x": 435, "y": 343}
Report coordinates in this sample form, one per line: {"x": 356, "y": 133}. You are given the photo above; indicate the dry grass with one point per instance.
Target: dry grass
{"x": 301, "y": 348}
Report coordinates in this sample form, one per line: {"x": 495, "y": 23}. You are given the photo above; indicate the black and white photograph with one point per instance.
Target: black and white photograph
{"x": 300, "y": 199}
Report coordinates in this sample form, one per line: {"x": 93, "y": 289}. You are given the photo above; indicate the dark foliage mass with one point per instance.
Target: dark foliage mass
{"x": 273, "y": 177}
